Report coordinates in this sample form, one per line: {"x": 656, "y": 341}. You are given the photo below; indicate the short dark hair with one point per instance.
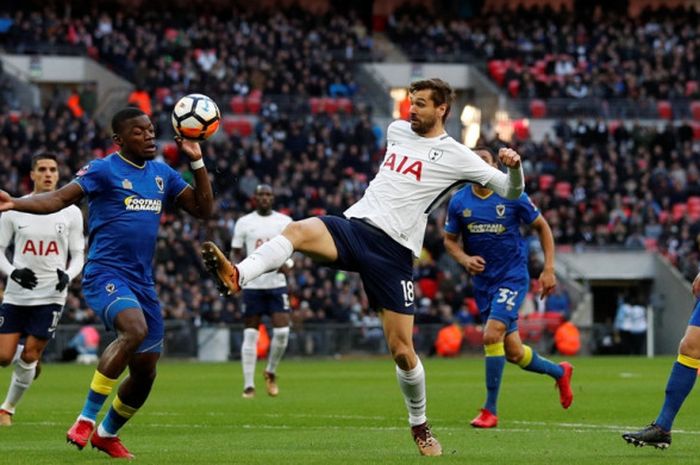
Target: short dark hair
{"x": 43, "y": 156}
{"x": 490, "y": 151}
{"x": 123, "y": 115}
{"x": 441, "y": 92}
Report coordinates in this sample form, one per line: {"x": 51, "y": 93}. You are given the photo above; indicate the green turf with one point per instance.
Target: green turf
{"x": 351, "y": 411}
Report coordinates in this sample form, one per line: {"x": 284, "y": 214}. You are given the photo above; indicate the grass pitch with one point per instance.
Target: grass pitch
{"x": 351, "y": 412}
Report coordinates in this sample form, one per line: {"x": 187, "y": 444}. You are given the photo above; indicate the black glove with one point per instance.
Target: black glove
{"x": 63, "y": 280}
{"x": 25, "y": 278}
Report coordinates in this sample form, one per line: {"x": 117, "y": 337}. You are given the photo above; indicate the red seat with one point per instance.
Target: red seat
{"x": 161, "y": 93}
{"x": 330, "y": 105}
{"x": 253, "y": 104}
{"x": 238, "y": 104}
{"x": 316, "y": 105}
{"x": 696, "y": 130}
{"x": 663, "y": 107}
{"x": 514, "y": 88}
{"x": 563, "y": 189}
{"x": 538, "y": 108}
{"x": 546, "y": 181}
{"x": 345, "y": 105}
{"x": 240, "y": 126}
{"x": 614, "y": 126}
{"x": 695, "y": 109}
{"x": 651, "y": 244}
{"x": 678, "y": 211}
{"x": 691, "y": 88}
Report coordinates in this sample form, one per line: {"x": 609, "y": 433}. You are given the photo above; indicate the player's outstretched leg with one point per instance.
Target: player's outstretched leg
{"x": 652, "y": 435}
{"x": 223, "y": 272}
{"x": 562, "y": 372}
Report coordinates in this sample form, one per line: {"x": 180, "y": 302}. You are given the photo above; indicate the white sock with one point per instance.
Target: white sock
{"x": 18, "y": 352}
{"x": 278, "y": 345}
{"x": 249, "y": 354}
{"x": 103, "y": 432}
{"x": 269, "y": 256}
{"x": 22, "y": 378}
{"x": 412, "y": 384}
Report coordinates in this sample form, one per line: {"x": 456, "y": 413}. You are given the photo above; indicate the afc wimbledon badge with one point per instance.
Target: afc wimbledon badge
{"x": 500, "y": 209}
{"x": 435, "y": 154}
{"x": 126, "y": 184}
{"x": 160, "y": 183}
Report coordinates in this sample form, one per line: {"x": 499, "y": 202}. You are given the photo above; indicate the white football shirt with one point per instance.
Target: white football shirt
{"x": 253, "y": 230}
{"x": 42, "y": 244}
{"x": 416, "y": 176}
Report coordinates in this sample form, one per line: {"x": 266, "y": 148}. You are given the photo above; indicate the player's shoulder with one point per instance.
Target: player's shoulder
{"x": 73, "y": 211}
{"x": 95, "y": 165}
{"x": 399, "y": 128}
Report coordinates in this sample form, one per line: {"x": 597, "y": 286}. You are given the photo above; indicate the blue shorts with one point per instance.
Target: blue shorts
{"x": 39, "y": 321}
{"x": 385, "y": 266}
{"x": 109, "y": 294}
{"x": 695, "y": 316}
{"x": 502, "y": 302}
{"x": 265, "y": 301}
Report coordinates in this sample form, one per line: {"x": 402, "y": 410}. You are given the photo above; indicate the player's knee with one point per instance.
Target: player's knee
{"x": 514, "y": 356}
{"x": 690, "y": 347}
{"x": 294, "y": 231}
{"x": 133, "y": 336}
{"x": 492, "y": 337}
{"x": 403, "y": 356}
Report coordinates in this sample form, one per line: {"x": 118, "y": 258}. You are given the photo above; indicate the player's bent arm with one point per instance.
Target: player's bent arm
{"x": 454, "y": 248}
{"x": 546, "y": 240}
{"x": 198, "y": 201}
{"x": 43, "y": 204}
{"x": 510, "y": 185}
{"x": 548, "y": 280}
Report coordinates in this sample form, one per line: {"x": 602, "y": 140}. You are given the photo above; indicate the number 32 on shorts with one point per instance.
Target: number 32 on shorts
{"x": 507, "y": 296}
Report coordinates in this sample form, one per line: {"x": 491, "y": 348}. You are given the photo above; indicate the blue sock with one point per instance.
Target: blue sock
{"x": 680, "y": 383}
{"x": 93, "y": 404}
{"x": 100, "y": 388}
{"x": 495, "y": 362}
{"x": 119, "y": 413}
{"x": 533, "y": 362}
{"x": 113, "y": 421}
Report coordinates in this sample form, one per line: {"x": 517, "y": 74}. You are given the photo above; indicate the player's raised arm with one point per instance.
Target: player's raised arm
{"x": 198, "y": 202}
{"x": 509, "y": 185}
{"x": 43, "y": 204}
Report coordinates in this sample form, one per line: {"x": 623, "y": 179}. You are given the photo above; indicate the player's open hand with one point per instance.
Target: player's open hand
{"x": 475, "y": 264}
{"x": 189, "y": 148}
{"x": 548, "y": 282}
{"x": 696, "y": 286}
{"x": 6, "y": 202}
{"x": 509, "y": 157}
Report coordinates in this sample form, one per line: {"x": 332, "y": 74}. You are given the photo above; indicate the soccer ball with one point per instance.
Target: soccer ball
{"x": 195, "y": 117}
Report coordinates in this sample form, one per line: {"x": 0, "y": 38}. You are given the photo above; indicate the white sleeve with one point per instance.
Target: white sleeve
{"x": 510, "y": 185}
{"x": 76, "y": 245}
{"x": 5, "y": 238}
{"x": 238, "y": 238}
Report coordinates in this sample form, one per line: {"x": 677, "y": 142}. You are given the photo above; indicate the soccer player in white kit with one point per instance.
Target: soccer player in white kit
{"x": 36, "y": 291}
{"x": 266, "y": 294}
{"x": 384, "y": 230}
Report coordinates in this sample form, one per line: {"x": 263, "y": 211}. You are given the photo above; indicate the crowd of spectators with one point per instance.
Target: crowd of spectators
{"x": 541, "y": 53}
{"x": 233, "y": 51}
{"x": 632, "y": 187}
